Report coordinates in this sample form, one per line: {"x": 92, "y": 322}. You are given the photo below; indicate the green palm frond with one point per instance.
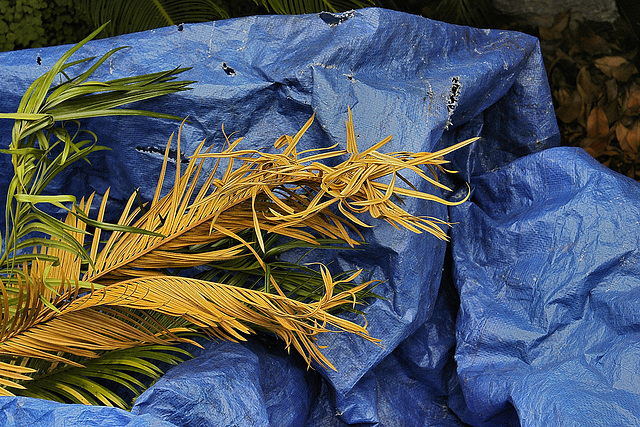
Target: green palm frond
{"x": 474, "y": 13}
{"x": 42, "y": 145}
{"x": 297, "y": 7}
{"x": 128, "y": 16}
{"x": 94, "y": 383}
{"x": 297, "y": 280}
{"x": 46, "y": 139}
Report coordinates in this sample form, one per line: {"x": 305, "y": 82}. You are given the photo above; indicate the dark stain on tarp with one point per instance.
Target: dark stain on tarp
{"x": 39, "y": 60}
{"x": 180, "y": 27}
{"x": 230, "y": 71}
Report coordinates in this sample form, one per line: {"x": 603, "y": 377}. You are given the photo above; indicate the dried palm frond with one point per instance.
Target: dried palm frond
{"x": 79, "y": 296}
{"x": 278, "y": 193}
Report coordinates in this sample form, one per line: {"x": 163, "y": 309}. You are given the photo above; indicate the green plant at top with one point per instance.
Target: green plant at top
{"x": 474, "y": 13}
{"x": 36, "y": 23}
{"x": 297, "y": 7}
{"x": 137, "y": 15}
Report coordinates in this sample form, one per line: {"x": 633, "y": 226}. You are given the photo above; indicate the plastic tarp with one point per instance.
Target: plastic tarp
{"x": 529, "y": 316}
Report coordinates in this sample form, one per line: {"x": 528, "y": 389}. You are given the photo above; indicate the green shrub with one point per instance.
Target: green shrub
{"x": 37, "y": 23}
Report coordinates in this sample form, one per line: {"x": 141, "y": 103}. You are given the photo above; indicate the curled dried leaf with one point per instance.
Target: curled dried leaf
{"x": 633, "y": 101}
{"x": 633, "y": 138}
{"x": 570, "y": 105}
{"x": 589, "y": 42}
{"x": 585, "y": 86}
{"x": 621, "y": 135}
{"x": 555, "y": 30}
{"x": 612, "y": 90}
{"x": 597, "y": 124}
{"x": 607, "y": 64}
{"x": 623, "y": 72}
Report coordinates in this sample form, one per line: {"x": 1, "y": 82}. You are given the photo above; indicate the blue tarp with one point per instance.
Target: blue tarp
{"x": 529, "y": 316}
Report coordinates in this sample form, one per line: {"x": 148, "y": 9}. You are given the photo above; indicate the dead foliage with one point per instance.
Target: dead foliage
{"x": 594, "y": 79}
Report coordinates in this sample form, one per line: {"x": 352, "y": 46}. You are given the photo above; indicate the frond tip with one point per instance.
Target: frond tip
{"x": 356, "y": 185}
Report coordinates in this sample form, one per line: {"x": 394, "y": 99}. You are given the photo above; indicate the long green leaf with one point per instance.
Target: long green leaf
{"x": 70, "y": 384}
{"x": 297, "y": 7}
{"x": 40, "y": 108}
{"x": 130, "y": 16}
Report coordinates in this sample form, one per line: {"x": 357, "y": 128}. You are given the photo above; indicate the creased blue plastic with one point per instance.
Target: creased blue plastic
{"x": 546, "y": 263}
{"x": 24, "y": 411}
{"x": 528, "y": 317}
{"x": 176, "y": 397}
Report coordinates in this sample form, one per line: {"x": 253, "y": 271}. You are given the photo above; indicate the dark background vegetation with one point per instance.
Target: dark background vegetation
{"x": 592, "y": 67}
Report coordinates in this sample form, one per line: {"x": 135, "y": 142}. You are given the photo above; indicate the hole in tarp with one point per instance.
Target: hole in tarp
{"x": 454, "y": 94}
{"x": 455, "y": 89}
{"x": 230, "y": 71}
{"x": 154, "y": 150}
{"x": 180, "y": 27}
{"x": 333, "y": 19}
{"x": 39, "y": 60}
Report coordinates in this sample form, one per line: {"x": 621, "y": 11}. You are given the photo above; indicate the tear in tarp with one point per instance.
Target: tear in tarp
{"x": 529, "y": 316}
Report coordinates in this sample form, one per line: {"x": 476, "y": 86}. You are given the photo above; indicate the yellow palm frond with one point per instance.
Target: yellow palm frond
{"x": 53, "y": 311}
{"x": 184, "y": 219}
{"x": 9, "y": 372}
{"x": 277, "y": 193}
{"x": 86, "y": 333}
{"x": 97, "y": 322}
